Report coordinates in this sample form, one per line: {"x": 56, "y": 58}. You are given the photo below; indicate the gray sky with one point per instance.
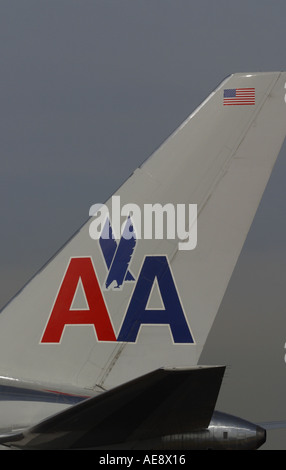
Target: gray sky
{"x": 91, "y": 88}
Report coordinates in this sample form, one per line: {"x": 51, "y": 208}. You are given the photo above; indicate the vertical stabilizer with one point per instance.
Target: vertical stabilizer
{"x": 103, "y": 312}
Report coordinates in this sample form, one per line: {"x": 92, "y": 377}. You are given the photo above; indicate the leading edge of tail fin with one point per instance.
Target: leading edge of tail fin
{"x": 108, "y": 309}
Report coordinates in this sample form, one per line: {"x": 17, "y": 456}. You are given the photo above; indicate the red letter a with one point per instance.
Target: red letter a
{"x": 96, "y": 315}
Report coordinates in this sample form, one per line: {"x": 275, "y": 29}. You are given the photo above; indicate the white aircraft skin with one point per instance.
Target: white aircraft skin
{"x": 89, "y": 321}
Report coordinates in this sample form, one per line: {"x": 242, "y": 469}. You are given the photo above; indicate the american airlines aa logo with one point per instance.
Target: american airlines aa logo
{"x": 118, "y": 257}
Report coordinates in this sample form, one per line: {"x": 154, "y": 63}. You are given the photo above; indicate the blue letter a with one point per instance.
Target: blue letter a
{"x": 137, "y": 314}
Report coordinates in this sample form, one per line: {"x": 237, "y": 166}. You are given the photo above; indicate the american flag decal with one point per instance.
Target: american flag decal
{"x": 239, "y": 96}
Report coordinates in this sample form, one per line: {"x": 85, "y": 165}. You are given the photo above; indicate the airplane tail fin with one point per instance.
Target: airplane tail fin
{"x": 107, "y": 310}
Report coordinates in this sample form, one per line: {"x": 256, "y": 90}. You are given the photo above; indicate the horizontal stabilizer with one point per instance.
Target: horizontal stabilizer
{"x": 163, "y": 402}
